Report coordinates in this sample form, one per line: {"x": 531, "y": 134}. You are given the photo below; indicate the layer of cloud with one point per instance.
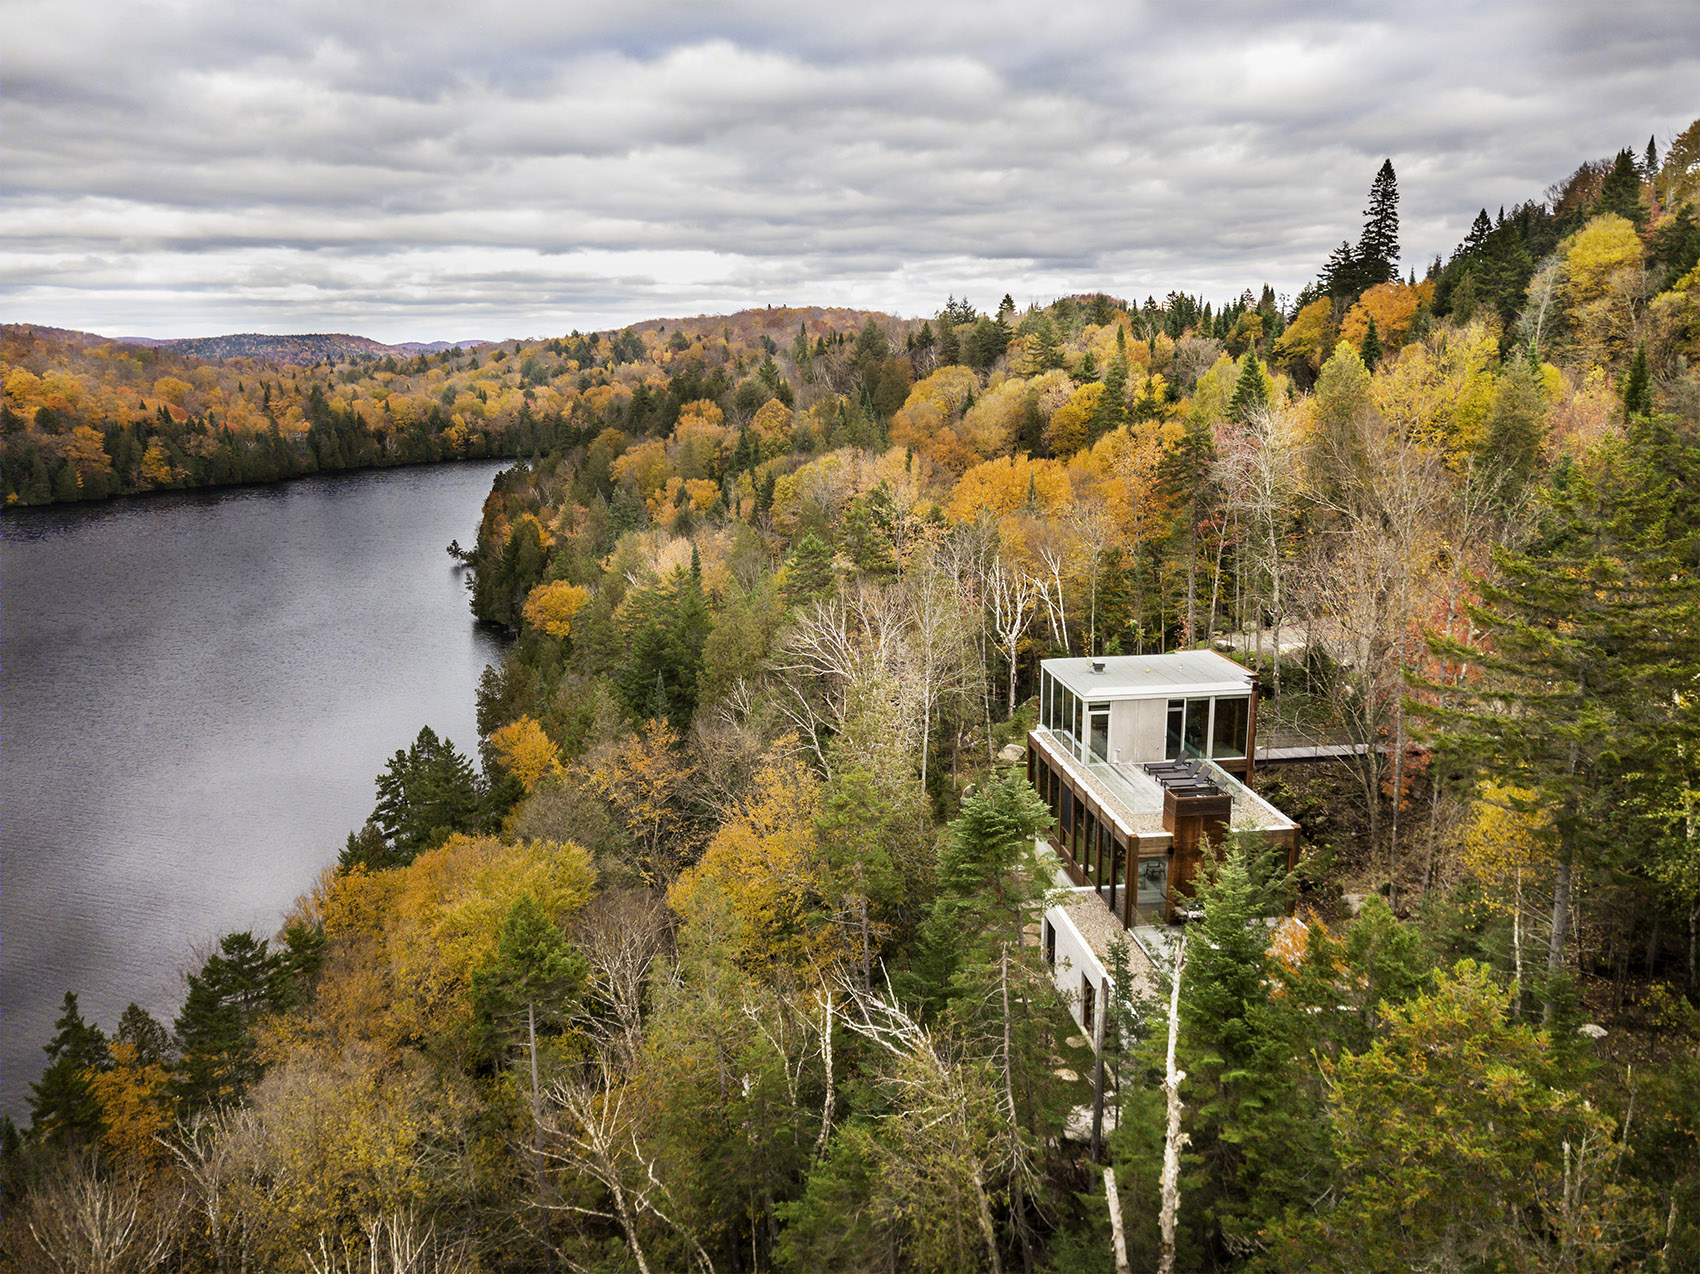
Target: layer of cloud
{"x": 194, "y": 166}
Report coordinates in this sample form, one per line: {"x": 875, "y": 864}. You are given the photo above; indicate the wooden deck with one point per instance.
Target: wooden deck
{"x": 1299, "y": 754}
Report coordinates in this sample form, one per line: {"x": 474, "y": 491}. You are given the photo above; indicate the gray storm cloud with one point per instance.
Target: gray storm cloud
{"x": 425, "y": 170}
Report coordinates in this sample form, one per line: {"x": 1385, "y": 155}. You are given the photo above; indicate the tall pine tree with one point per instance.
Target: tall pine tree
{"x": 1378, "y": 246}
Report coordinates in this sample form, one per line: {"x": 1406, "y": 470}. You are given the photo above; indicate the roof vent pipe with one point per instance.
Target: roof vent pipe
{"x": 1097, "y": 665}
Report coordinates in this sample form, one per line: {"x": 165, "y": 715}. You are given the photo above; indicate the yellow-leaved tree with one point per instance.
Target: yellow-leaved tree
{"x": 765, "y": 863}
{"x": 644, "y": 778}
{"x": 525, "y": 751}
{"x": 1605, "y": 287}
{"x": 1008, "y": 485}
{"x": 1071, "y": 424}
{"x": 447, "y": 918}
{"x": 551, "y": 607}
{"x": 1508, "y": 848}
{"x": 134, "y": 1108}
{"x": 1393, "y": 306}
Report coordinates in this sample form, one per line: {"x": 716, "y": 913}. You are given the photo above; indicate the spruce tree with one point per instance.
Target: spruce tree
{"x": 808, "y": 575}
{"x": 1370, "y": 351}
{"x": 1340, "y": 273}
{"x": 1378, "y": 247}
{"x": 1110, "y": 412}
{"x": 63, "y": 1107}
{"x": 989, "y": 887}
{"x": 1587, "y": 639}
{"x": 238, "y": 984}
{"x": 1251, "y": 390}
{"x": 1516, "y": 430}
{"x": 424, "y": 794}
{"x": 950, "y": 346}
{"x": 1620, "y": 192}
{"x": 1637, "y": 386}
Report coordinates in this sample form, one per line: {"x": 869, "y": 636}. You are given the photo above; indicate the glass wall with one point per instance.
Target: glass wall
{"x": 1098, "y": 730}
{"x": 1059, "y": 711}
{"x": 1197, "y": 734}
{"x": 1153, "y": 889}
{"x": 1228, "y": 733}
{"x": 1215, "y": 728}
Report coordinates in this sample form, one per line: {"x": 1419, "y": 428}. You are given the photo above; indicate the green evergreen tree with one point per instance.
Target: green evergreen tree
{"x": 139, "y": 1029}
{"x": 1030, "y": 432}
{"x": 1110, "y": 412}
{"x": 425, "y": 794}
{"x": 1620, "y": 192}
{"x": 1675, "y": 246}
{"x": 950, "y": 346}
{"x": 236, "y": 986}
{"x": 666, "y": 627}
{"x": 1044, "y": 344}
{"x": 1452, "y": 1132}
{"x": 532, "y": 982}
{"x": 65, "y": 486}
{"x": 1377, "y": 255}
{"x": 989, "y": 884}
{"x": 63, "y": 1107}
{"x": 808, "y": 572}
{"x": 1515, "y": 433}
{"x": 1251, "y": 389}
{"x": 985, "y": 344}
{"x": 1637, "y": 386}
{"x": 1587, "y": 639}
{"x": 869, "y": 528}
{"x": 1340, "y": 273}
{"x": 1370, "y": 350}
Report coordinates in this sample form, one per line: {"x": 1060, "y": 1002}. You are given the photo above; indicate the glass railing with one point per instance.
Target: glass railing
{"x": 1129, "y": 793}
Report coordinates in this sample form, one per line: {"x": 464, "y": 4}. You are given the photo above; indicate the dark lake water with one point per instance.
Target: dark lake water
{"x": 196, "y": 693}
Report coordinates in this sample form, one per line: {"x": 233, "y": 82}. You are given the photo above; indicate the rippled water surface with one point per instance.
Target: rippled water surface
{"x": 196, "y": 693}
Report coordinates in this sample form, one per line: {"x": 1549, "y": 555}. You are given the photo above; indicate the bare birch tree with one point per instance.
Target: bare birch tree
{"x": 1014, "y": 597}
{"x": 1260, "y": 467}
{"x": 846, "y": 658}
{"x": 1174, "y": 1140}
{"x": 591, "y": 1130}
{"x": 85, "y": 1222}
{"x": 953, "y": 1147}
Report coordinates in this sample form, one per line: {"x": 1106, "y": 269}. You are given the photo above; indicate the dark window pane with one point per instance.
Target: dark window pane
{"x": 1197, "y": 723}
{"x": 1229, "y": 735}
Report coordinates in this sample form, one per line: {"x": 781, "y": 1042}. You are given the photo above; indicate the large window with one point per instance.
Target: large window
{"x": 1060, "y": 712}
{"x": 1116, "y": 876}
{"x": 1207, "y": 727}
{"x": 1228, "y": 733}
{"x": 1098, "y": 730}
{"x": 1153, "y": 884}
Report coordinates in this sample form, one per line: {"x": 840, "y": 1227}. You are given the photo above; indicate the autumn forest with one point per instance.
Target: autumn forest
{"x": 721, "y": 953}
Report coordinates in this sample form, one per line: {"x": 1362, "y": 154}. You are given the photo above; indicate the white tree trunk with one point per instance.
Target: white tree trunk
{"x": 1117, "y": 1237}
{"x": 1173, "y": 1138}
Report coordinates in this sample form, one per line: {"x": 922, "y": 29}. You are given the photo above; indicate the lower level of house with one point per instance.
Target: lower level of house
{"x": 1129, "y": 842}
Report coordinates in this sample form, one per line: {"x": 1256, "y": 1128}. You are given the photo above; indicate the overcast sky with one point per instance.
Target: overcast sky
{"x": 427, "y": 170}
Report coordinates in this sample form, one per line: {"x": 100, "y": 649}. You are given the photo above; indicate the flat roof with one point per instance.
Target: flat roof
{"x": 1171, "y": 676}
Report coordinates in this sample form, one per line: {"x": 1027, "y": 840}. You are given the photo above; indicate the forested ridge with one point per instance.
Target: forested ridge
{"x": 721, "y": 954}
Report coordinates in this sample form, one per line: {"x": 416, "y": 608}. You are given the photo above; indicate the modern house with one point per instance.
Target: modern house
{"x": 1142, "y": 759}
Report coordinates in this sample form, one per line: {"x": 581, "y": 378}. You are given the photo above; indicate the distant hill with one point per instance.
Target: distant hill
{"x": 298, "y": 351}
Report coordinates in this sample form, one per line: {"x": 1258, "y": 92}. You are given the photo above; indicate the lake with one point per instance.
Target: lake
{"x": 196, "y": 694}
